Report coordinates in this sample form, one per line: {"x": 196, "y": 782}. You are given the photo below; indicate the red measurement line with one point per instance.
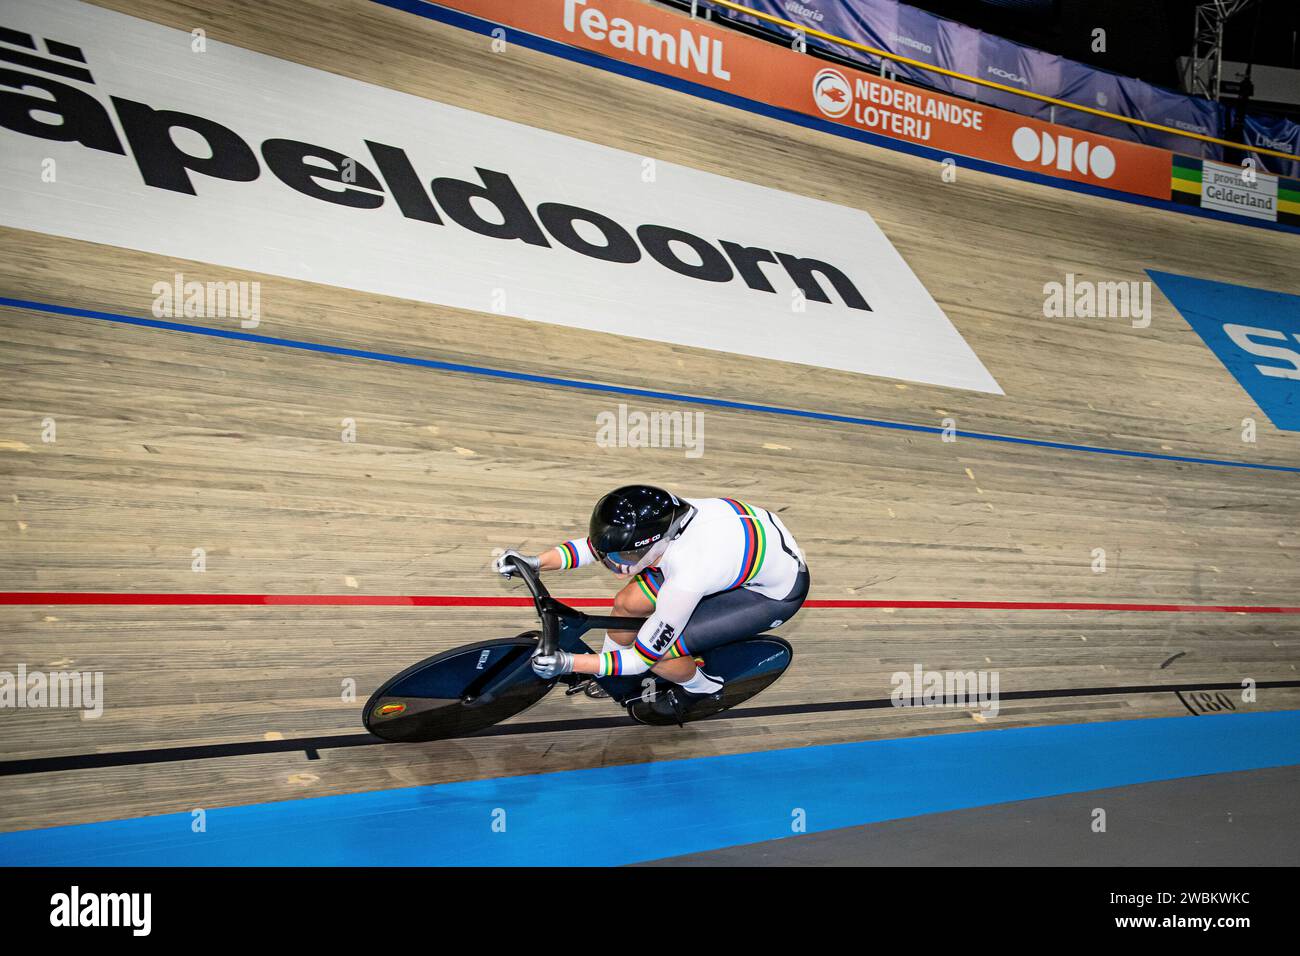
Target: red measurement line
{"x": 36, "y": 598}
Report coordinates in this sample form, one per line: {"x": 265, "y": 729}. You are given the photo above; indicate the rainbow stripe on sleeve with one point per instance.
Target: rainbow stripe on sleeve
{"x": 569, "y": 557}
{"x": 755, "y": 543}
{"x": 649, "y": 581}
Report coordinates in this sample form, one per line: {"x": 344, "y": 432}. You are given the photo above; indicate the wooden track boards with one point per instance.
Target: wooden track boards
{"x": 169, "y": 442}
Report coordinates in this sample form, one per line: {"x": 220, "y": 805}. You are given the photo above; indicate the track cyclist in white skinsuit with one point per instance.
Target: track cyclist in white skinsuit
{"x": 704, "y": 572}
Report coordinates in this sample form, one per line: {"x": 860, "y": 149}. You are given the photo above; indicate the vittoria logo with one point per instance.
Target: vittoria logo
{"x": 832, "y": 93}
{"x": 797, "y": 9}
{"x": 328, "y": 175}
{"x": 1063, "y": 152}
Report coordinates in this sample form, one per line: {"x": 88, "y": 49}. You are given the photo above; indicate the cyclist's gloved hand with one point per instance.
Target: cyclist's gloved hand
{"x": 505, "y": 567}
{"x": 553, "y": 665}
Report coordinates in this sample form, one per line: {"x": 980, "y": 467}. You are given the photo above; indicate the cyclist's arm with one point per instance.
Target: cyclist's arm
{"x": 658, "y": 639}
{"x": 569, "y": 554}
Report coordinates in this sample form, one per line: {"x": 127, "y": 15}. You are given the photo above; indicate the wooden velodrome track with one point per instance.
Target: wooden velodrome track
{"x": 168, "y": 443}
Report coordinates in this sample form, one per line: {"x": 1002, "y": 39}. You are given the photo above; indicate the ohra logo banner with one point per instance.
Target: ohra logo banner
{"x": 238, "y": 159}
{"x": 1064, "y": 152}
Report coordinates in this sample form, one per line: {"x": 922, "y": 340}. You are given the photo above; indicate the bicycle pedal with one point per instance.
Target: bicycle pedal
{"x": 579, "y": 687}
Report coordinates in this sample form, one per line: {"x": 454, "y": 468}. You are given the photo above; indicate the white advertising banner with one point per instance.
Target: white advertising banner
{"x": 1238, "y": 189}
{"x": 117, "y": 130}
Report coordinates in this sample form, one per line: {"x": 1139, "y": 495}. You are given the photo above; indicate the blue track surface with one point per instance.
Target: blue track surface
{"x": 617, "y": 815}
{"x": 1272, "y": 322}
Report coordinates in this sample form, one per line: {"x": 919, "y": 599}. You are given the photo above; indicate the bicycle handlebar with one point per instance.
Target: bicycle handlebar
{"x": 548, "y": 609}
{"x": 554, "y": 616}
{"x": 552, "y": 613}
{"x": 531, "y": 579}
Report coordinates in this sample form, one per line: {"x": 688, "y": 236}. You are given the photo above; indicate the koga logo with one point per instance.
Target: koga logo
{"x": 1009, "y": 77}
{"x": 832, "y": 93}
{"x": 328, "y": 175}
{"x": 700, "y": 53}
{"x": 1062, "y": 151}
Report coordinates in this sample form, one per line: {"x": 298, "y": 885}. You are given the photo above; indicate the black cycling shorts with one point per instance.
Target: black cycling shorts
{"x": 735, "y": 615}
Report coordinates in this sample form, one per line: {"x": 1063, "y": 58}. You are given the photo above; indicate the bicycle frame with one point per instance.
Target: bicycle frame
{"x": 561, "y": 626}
{"x": 465, "y": 690}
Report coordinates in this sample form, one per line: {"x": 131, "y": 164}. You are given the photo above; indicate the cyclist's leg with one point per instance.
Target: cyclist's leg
{"x": 635, "y": 599}
{"x": 719, "y": 619}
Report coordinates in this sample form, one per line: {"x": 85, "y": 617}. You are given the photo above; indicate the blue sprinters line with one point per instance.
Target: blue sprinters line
{"x": 616, "y": 815}
{"x": 613, "y": 389}
{"x": 466, "y": 21}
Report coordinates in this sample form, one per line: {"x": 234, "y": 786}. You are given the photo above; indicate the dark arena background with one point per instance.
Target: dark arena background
{"x": 312, "y": 308}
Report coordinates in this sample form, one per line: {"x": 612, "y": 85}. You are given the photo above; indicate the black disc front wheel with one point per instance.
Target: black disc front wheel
{"x": 442, "y": 697}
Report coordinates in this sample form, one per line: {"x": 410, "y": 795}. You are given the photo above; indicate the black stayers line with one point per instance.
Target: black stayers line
{"x": 310, "y": 745}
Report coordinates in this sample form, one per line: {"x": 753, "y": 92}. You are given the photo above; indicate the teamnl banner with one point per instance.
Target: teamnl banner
{"x": 114, "y": 130}
{"x": 673, "y": 44}
{"x": 908, "y": 31}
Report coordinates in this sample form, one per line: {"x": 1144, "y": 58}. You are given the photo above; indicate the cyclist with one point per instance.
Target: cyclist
{"x": 703, "y": 571}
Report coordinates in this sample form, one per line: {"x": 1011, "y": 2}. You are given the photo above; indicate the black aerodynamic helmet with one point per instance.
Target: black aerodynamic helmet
{"x": 631, "y": 526}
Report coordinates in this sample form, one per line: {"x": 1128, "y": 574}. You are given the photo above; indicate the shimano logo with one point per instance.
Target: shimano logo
{"x": 1063, "y": 153}
{"x": 1009, "y": 77}
{"x": 913, "y": 43}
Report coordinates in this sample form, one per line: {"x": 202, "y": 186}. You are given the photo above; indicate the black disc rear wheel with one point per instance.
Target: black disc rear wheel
{"x": 431, "y": 700}
{"x": 746, "y": 667}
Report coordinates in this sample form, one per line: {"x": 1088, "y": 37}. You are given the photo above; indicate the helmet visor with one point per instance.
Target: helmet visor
{"x": 630, "y": 561}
